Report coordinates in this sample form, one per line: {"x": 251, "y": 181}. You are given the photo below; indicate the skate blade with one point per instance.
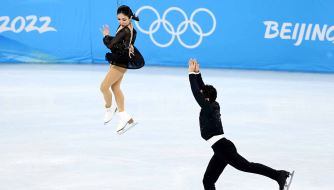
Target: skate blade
{"x": 290, "y": 180}
{"x": 127, "y": 127}
{"x": 106, "y": 122}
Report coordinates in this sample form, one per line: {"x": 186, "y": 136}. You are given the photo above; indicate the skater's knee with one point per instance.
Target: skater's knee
{"x": 247, "y": 167}
{"x": 115, "y": 87}
{"x": 104, "y": 87}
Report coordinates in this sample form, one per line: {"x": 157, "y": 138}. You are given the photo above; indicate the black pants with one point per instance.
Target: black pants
{"x": 226, "y": 153}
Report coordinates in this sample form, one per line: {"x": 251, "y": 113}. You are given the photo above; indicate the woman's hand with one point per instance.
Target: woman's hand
{"x": 131, "y": 51}
{"x": 105, "y": 30}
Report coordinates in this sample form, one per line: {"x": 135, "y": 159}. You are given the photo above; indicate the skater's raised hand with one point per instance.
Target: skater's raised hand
{"x": 105, "y": 30}
{"x": 196, "y": 67}
{"x": 193, "y": 65}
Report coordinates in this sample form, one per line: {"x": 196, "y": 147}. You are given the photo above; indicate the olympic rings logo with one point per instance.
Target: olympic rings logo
{"x": 181, "y": 28}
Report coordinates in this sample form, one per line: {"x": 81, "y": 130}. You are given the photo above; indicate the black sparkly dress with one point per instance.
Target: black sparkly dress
{"x": 119, "y": 46}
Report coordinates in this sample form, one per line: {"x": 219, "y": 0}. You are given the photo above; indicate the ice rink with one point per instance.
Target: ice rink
{"x": 52, "y": 135}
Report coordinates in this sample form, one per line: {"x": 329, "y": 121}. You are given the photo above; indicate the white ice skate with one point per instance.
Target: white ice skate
{"x": 126, "y": 122}
{"x": 109, "y": 114}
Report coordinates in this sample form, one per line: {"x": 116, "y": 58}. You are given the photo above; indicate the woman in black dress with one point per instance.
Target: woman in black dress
{"x": 123, "y": 56}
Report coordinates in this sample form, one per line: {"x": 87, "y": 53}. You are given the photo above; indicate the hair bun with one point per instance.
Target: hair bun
{"x": 134, "y": 17}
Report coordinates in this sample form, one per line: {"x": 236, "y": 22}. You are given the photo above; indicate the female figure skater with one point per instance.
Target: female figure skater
{"x": 123, "y": 56}
{"x": 212, "y": 131}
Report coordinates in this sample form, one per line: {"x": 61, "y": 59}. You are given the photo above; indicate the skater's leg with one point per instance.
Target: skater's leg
{"x": 113, "y": 75}
{"x": 240, "y": 163}
{"x": 225, "y": 148}
{"x": 125, "y": 118}
{"x": 215, "y": 167}
{"x": 119, "y": 97}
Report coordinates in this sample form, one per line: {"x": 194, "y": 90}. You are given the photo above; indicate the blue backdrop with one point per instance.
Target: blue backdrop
{"x": 271, "y": 35}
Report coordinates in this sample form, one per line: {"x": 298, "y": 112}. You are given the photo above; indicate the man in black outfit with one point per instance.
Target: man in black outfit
{"x": 212, "y": 131}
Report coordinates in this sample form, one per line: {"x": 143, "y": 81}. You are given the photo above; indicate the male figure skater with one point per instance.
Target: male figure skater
{"x": 212, "y": 131}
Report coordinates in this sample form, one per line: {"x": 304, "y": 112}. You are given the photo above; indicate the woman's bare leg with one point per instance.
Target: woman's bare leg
{"x": 114, "y": 74}
{"x": 119, "y": 97}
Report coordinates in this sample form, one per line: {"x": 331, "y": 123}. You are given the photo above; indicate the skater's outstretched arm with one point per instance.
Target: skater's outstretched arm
{"x": 199, "y": 80}
{"x": 197, "y": 83}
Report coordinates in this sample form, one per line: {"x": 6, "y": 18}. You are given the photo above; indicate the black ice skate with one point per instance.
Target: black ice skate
{"x": 282, "y": 179}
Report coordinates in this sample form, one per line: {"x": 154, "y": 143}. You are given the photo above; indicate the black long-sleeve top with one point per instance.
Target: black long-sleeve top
{"x": 121, "y": 41}
{"x": 119, "y": 46}
{"x": 210, "y": 117}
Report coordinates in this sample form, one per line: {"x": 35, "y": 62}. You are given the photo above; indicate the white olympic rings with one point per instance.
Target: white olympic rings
{"x": 181, "y": 28}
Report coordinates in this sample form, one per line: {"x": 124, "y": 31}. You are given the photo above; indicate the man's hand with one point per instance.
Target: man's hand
{"x": 193, "y": 66}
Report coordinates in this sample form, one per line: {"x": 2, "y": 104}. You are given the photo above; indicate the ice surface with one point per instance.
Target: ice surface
{"x": 52, "y": 135}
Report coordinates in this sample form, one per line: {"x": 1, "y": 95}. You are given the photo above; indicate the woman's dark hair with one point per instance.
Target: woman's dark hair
{"x": 127, "y": 11}
{"x": 209, "y": 92}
